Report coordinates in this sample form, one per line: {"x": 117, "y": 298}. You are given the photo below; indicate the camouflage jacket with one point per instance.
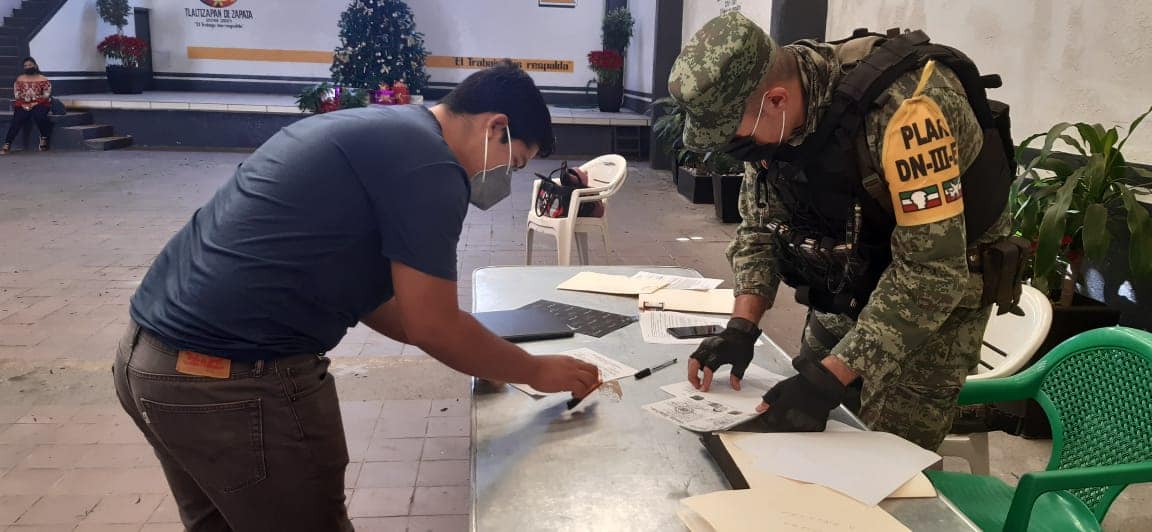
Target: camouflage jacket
{"x": 928, "y": 277}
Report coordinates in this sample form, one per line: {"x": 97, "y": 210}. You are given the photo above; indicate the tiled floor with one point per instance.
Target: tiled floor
{"x": 78, "y": 230}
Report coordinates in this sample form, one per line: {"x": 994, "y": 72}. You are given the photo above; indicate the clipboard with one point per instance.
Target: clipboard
{"x": 715, "y": 301}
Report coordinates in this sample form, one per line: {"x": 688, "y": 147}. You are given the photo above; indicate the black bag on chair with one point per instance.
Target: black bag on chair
{"x": 555, "y": 193}
{"x": 57, "y": 108}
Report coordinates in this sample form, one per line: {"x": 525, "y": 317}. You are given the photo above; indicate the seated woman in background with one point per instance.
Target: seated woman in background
{"x": 32, "y": 102}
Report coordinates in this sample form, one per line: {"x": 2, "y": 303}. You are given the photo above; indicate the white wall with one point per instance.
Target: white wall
{"x": 698, "y": 12}
{"x": 641, "y": 52}
{"x": 68, "y": 42}
{"x": 451, "y": 27}
{"x": 6, "y": 7}
{"x": 1061, "y": 61}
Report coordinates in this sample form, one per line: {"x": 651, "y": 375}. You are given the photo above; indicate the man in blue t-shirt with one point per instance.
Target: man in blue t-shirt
{"x": 344, "y": 218}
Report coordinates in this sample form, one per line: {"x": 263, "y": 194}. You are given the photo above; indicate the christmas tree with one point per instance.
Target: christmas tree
{"x": 379, "y": 44}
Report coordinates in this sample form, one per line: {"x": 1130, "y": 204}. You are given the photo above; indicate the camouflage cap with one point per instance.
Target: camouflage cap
{"x": 715, "y": 74}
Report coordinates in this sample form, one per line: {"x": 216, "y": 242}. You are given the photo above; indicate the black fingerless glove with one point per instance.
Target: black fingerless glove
{"x": 735, "y": 345}
{"x": 802, "y": 402}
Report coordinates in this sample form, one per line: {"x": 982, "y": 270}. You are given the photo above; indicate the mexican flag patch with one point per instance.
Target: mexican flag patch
{"x": 952, "y": 190}
{"x": 920, "y": 199}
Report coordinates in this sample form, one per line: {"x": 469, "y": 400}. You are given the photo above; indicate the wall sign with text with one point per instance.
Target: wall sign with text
{"x": 219, "y": 15}
{"x": 559, "y": 66}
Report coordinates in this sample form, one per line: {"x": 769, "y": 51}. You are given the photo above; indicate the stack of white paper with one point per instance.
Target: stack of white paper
{"x": 867, "y": 466}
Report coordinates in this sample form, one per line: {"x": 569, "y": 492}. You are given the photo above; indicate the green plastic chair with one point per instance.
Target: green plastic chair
{"x": 1096, "y": 389}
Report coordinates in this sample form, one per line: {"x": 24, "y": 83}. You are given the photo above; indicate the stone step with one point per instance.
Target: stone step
{"x": 88, "y": 131}
{"x": 77, "y": 137}
{"x": 108, "y": 143}
{"x": 73, "y": 118}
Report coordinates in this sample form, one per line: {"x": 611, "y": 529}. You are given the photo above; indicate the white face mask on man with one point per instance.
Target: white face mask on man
{"x": 488, "y": 192}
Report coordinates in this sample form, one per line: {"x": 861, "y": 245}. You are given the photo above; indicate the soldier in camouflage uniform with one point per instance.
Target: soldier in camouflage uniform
{"x": 911, "y": 346}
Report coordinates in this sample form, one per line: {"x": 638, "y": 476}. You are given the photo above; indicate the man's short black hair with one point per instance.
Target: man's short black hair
{"x": 505, "y": 88}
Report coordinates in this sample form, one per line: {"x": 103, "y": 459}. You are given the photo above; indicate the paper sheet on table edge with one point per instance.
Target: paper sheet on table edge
{"x": 919, "y": 487}
{"x": 537, "y": 394}
{"x": 708, "y": 282}
{"x": 914, "y": 488}
{"x": 601, "y": 283}
{"x": 747, "y": 510}
{"x": 663, "y": 337}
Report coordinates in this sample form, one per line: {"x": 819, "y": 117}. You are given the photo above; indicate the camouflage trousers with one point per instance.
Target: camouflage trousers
{"x": 917, "y": 401}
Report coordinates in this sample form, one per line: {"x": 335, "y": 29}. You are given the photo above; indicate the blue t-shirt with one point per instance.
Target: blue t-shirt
{"x": 297, "y": 246}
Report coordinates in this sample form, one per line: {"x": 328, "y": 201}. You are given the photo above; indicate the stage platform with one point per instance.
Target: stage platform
{"x": 285, "y": 104}
{"x": 245, "y": 120}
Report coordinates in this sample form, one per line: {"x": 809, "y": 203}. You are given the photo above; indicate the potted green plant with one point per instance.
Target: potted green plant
{"x": 691, "y": 181}
{"x": 608, "y": 62}
{"x": 727, "y": 174}
{"x": 1072, "y": 206}
{"x": 124, "y": 53}
{"x": 701, "y": 178}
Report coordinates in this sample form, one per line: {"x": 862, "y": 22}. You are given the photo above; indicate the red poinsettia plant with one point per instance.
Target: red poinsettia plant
{"x": 128, "y": 51}
{"x": 608, "y": 65}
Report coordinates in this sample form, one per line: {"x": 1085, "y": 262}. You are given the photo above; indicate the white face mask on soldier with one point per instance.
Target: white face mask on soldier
{"x": 488, "y": 191}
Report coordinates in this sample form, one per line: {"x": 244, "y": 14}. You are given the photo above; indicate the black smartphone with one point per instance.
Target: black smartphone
{"x": 696, "y": 331}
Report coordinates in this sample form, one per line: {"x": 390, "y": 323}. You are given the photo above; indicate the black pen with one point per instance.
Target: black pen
{"x": 574, "y": 402}
{"x": 648, "y": 371}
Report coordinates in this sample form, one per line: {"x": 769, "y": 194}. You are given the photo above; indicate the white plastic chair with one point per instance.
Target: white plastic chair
{"x": 606, "y": 174}
{"x": 1009, "y": 343}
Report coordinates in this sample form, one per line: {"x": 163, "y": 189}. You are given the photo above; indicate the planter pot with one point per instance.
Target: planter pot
{"x": 1084, "y": 315}
{"x": 726, "y": 197}
{"x": 697, "y": 188}
{"x": 126, "y": 80}
{"x": 610, "y": 97}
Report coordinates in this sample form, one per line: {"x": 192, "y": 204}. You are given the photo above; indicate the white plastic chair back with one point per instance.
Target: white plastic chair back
{"x": 1009, "y": 343}
{"x": 1011, "y": 340}
{"x": 606, "y": 175}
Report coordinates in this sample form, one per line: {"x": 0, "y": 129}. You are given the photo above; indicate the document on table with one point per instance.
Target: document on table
{"x": 654, "y": 326}
{"x": 716, "y": 301}
{"x": 680, "y": 283}
{"x": 609, "y": 369}
{"x": 610, "y": 284}
{"x": 757, "y": 477}
{"x": 787, "y": 506}
{"x": 721, "y": 408}
{"x": 867, "y": 466}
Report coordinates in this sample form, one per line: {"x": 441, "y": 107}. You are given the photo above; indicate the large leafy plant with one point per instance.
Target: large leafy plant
{"x": 669, "y": 129}
{"x": 1070, "y": 207}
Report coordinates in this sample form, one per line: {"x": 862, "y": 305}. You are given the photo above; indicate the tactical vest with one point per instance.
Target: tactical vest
{"x": 835, "y": 244}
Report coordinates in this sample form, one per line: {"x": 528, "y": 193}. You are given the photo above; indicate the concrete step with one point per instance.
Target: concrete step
{"x": 73, "y": 118}
{"x": 86, "y": 132}
{"x": 108, "y": 143}
{"x": 21, "y": 20}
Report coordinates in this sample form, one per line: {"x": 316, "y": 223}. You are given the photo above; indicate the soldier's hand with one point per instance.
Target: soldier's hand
{"x": 802, "y": 402}
{"x": 559, "y": 373}
{"x": 735, "y": 345}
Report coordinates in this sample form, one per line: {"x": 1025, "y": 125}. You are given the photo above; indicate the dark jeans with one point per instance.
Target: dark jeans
{"x": 20, "y": 118}
{"x": 262, "y": 450}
